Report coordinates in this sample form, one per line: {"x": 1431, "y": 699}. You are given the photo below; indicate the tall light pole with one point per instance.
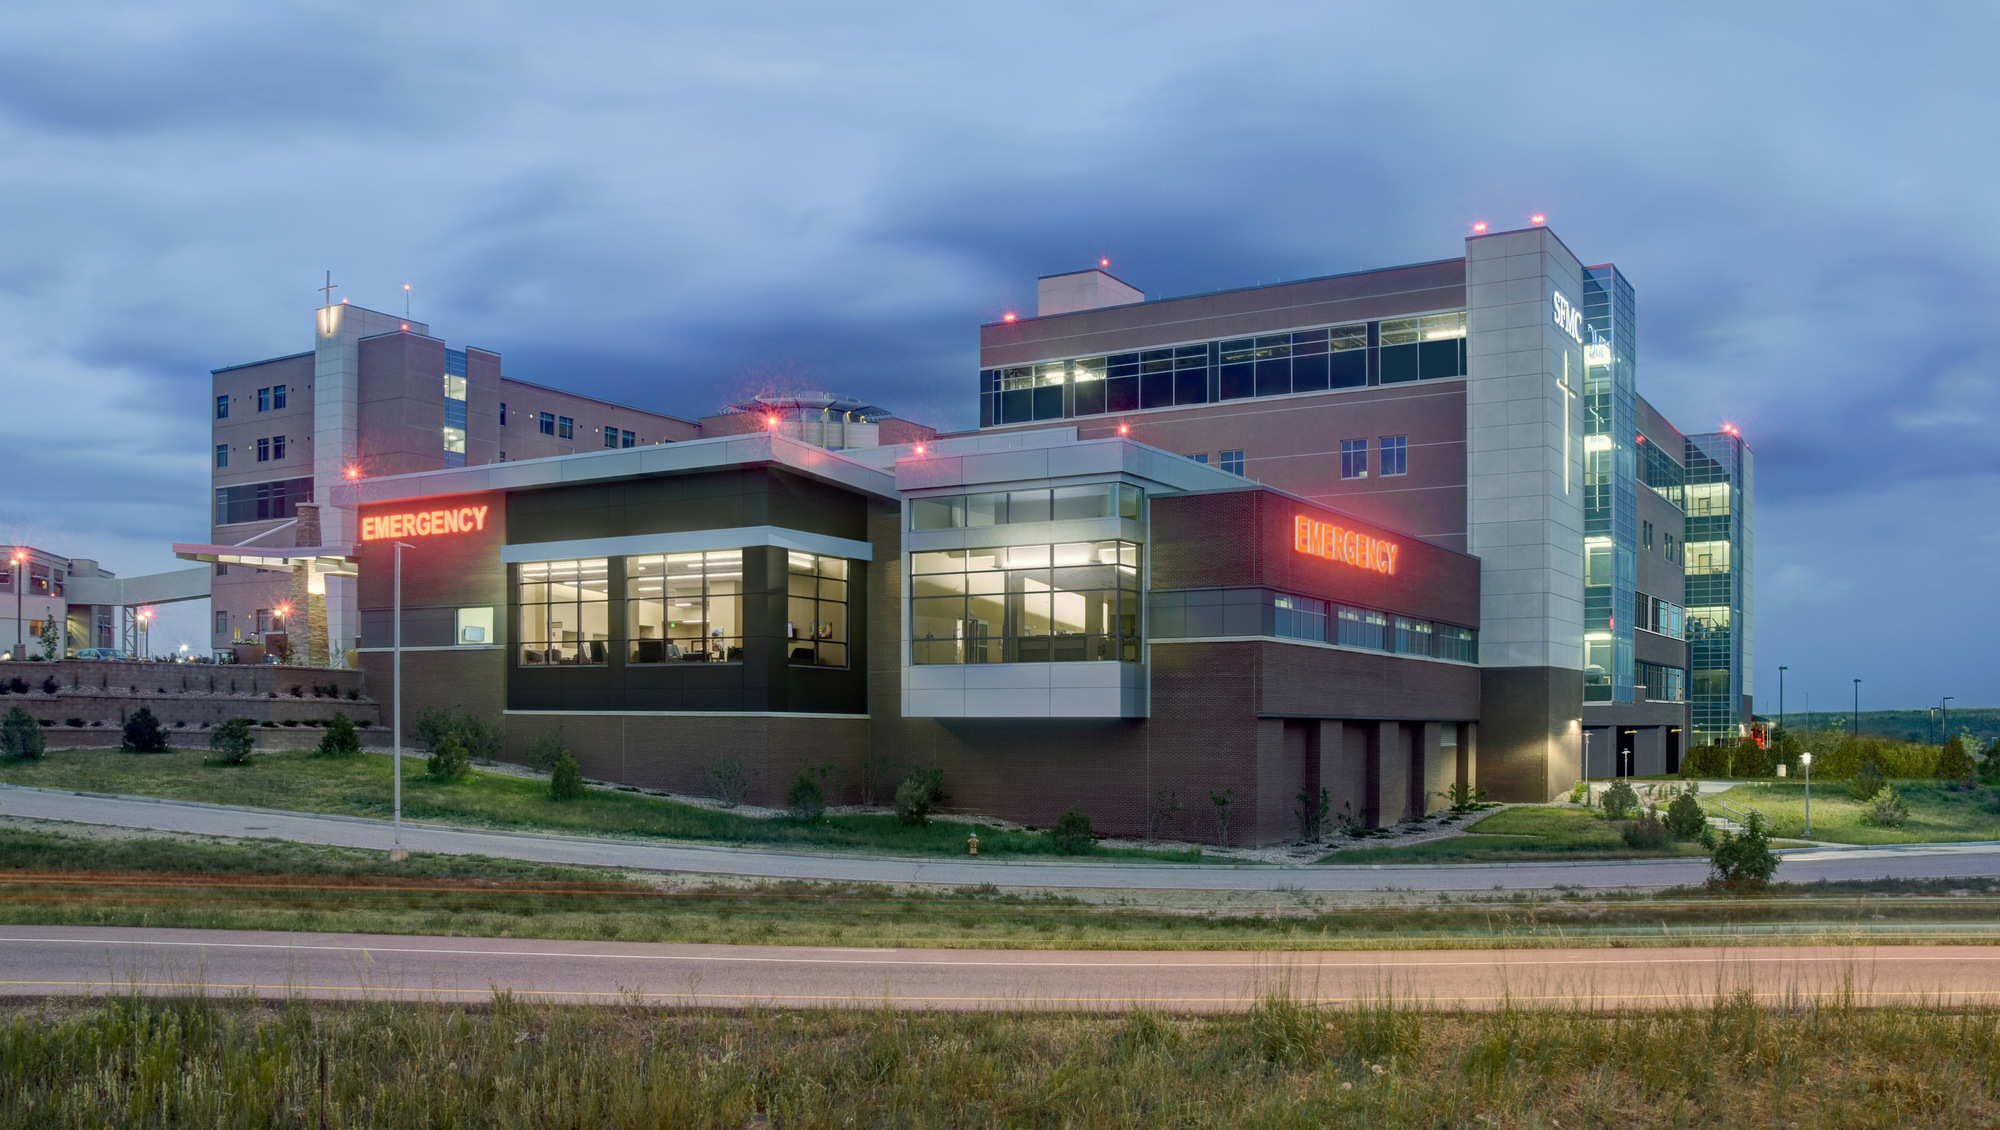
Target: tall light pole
{"x": 1944, "y": 719}
{"x": 1781, "y": 696}
{"x": 19, "y": 564}
{"x": 1805, "y": 759}
{"x": 1857, "y": 710}
{"x": 398, "y": 851}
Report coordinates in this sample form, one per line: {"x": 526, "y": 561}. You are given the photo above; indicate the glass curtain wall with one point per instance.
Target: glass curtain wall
{"x": 1071, "y": 602}
{"x": 1611, "y": 479}
{"x": 1720, "y": 596}
{"x": 454, "y": 407}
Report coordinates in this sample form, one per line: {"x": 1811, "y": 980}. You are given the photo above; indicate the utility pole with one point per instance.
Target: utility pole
{"x": 1781, "y": 696}
{"x": 1857, "y": 709}
{"x": 1944, "y": 719}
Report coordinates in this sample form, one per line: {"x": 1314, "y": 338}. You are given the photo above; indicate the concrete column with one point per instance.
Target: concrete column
{"x": 1436, "y": 774}
{"x": 1391, "y": 748}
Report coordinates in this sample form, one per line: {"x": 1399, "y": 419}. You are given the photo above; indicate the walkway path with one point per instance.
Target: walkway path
{"x": 76, "y": 960}
{"x": 1968, "y": 861}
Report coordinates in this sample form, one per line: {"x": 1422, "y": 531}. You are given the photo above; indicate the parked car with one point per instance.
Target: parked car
{"x": 101, "y": 653}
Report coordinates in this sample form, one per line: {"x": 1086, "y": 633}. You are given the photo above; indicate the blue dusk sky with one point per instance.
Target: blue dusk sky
{"x": 677, "y": 204}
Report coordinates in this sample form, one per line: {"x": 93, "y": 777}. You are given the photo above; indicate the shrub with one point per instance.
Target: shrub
{"x": 1685, "y": 819}
{"x": 1953, "y": 764}
{"x": 565, "y": 778}
{"x": 1072, "y": 834}
{"x": 18, "y": 685}
{"x": 1312, "y": 813}
{"x": 1863, "y": 785}
{"x": 1462, "y": 797}
{"x": 231, "y": 741}
{"x": 476, "y": 736}
{"x": 449, "y": 761}
{"x": 340, "y": 740}
{"x": 730, "y": 780}
{"x": 50, "y": 686}
{"x": 920, "y": 790}
{"x": 1887, "y": 809}
{"x": 143, "y": 733}
{"x": 1647, "y": 833}
{"x": 76, "y": 723}
{"x": 547, "y": 749}
{"x": 1619, "y": 801}
{"x": 21, "y": 736}
{"x": 806, "y": 800}
{"x": 1743, "y": 861}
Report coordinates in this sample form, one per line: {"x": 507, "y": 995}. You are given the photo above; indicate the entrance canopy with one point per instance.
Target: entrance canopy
{"x": 338, "y": 560}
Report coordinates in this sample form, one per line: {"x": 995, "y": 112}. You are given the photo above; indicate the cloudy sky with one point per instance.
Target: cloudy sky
{"x": 672, "y": 204}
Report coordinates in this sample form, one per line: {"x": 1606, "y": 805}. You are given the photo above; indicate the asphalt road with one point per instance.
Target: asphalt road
{"x": 70, "y": 961}
{"x": 1968, "y": 861}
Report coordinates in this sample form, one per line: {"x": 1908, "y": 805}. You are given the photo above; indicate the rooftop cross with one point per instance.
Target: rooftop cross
{"x": 329, "y": 288}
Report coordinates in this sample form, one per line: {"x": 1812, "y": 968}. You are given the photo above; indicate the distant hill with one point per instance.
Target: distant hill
{"x": 1902, "y": 725}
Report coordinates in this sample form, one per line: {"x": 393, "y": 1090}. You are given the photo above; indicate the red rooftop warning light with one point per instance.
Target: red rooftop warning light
{"x": 1006, "y": 317}
{"x": 1479, "y": 227}
{"x": 1104, "y": 262}
{"x": 1537, "y": 218}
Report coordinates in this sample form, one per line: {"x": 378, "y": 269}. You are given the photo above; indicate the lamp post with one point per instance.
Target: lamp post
{"x": 18, "y": 563}
{"x": 1857, "y": 710}
{"x": 1781, "y": 696}
{"x": 398, "y": 851}
{"x": 1805, "y": 759}
{"x": 1944, "y": 719}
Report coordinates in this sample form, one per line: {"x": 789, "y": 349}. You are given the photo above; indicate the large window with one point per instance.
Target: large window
{"x": 1362, "y": 627}
{"x": 1663, "y": 684}
{"x": 261, "y": 502}
{"x": 1300, "y": 618}
{"x": 1026, "y": 604}
{"x": 454, "y": 408}
{"x": 1003, "y": 508}
{"x": 565, "y": 612}
{"x": 685, "y": 607}
{"x": 816, "y": 610}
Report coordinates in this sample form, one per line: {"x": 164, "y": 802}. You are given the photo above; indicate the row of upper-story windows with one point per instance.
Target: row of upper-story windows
{"x": 270, "y": 399}
{"x": 1429, "y": 347}
{"x": 269, "y": 449}
{"x": 1393, "y": 457}
{"x": 1230, "y": 461}
{"x": 1011, "y": 507}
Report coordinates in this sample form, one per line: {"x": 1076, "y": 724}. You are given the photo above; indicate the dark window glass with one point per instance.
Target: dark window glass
{"x": 1232, "y": 462}
{"x": 1121, "y": 394}
{"x": 1274, "y": 378}
{"x": 1439, "y": 359}
{"x": 565, "y": 427}
{"x": 1399, "y": 363}
{"x": 1156, "y": 361}
{"x": 1354, "y": 459}
{"x": 503, "y": 413}
{"x": 1049, "y": 402}
{"x": 222, "y": 455}
{"x": 548, "y": 423}
{"x": 1191, "y": 386}
{"x": 989, "y": 380}
{"x": 1156, "y": 390}
{"x": 1090, "y": 398}
{"x": 987, "y": 403}
{"x": 1238, "y": 381}
{"x": 1395, "y": 455}
{"x": 1070, "y": 503}
{"x": 1126, "y": 361}
{"x": 263, "y": 400}
{"x": 1309, "y": 373}
{"x": 277, "y": 447}
{"x": 627, "y": 439}
{"x": 1308, "y": 342}
{"x": 277, "y": 397}
{"x": 1200, "y": 457}
{"x": 263, "y": 451}
{"x": 1347, "y": 369}
{"x": 1017, "y": 406}
{"x": 261, "y": 502}
{"x": 222, "y": 408}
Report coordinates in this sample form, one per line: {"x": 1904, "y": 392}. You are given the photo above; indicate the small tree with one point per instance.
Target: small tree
{"x": 1685, "y": 819}
{"x": 231, "y": 741}
{"x": 807, "y": 800}
{"x": 1743, "y": 861}
{"x": 565, "y": 778}
{"x": 729, "y": 779}
{"x": 1647, "y": 833}
{"x": 1221, "y": 802}
{"x": 143, "y": 733}
{"x": 1072, "y": 833}
{"x": 51, "y": 639}
{"x": 340, "y": 739}
{"x": 1166, "y": 802}
{"x": 1953, "y": 764}
{"x": 1620, "y": 801}
{"x": 21, "y": 736}
{"x": 1866, "y": 782}
{"x": 1312, "y": 814}
{"x": 920, "y": 790}
{"x": 1887, "y": 809}
{"x": 547, "y": 749}
{"x": 449, "y": 761}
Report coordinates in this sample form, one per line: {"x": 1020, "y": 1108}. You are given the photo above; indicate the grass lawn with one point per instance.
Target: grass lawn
{"x": 1520, "y": 834}
{"x": 1726, "y": 1063}
{"x": 1939, "y": 813}
{"x": 361, "y": 786}
{"x": 109, "y": 878}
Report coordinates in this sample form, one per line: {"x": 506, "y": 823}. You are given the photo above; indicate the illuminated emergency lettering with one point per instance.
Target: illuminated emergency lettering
{"x": 424, "y": 523}
{"x": 1349, "y": 547}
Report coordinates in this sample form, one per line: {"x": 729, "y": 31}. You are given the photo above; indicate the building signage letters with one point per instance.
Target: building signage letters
{"x": 424, "y": 523}
{"x": 1349, "y": 547}
{"x": 1568, "y": 318}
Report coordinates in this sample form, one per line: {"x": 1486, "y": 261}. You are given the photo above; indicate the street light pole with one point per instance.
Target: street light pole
{"x": 20, "y": 582}
{"x": 1944, "y": 719}
{"x": 398, "y": 851}
{"x": 1857, "y": 710}
{"x": 1781, "y": 696}
{"x": 1805, "y": 759}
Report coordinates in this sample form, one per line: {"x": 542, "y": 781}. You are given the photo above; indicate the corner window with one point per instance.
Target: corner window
{"x": 1232, "y": 462}
{"x": 565, "y": 427}
{"x": 277, "y": 397}
{"x": 1026, "y": 604}
{"x": 565, "y": 612}
{"x": 816, "y": 610}
{"x": 1354, "y": 459}
{"x": 684, "y": 607}
{"x": 1395, "y": 455}
{"x": 222, "y": 455}
{"x": 222, "y": 408}
{"x": 548, "y": 423}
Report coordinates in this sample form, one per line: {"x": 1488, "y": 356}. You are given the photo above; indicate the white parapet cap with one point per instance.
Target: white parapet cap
{"x": 683, "y": 457}
{"x": 1052, "y": 455}
{"x": 336, "y": 559}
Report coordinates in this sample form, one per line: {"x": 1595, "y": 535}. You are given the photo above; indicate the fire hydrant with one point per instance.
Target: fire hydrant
{"x": 972, "y": 844}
